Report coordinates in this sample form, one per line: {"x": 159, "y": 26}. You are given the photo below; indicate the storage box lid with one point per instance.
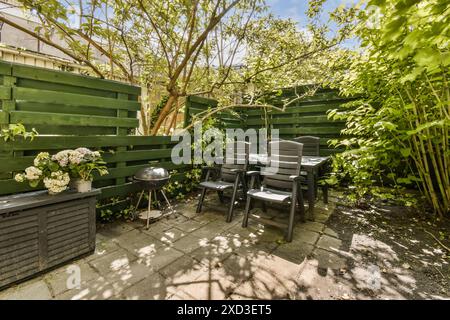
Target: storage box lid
{"x": 27, "y": 200}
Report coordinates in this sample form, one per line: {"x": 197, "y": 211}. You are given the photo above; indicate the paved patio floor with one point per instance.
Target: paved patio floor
{"x": 200, "y": 256}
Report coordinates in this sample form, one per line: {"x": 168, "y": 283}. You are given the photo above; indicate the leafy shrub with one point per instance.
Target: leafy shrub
{"x": 397, "y": 133}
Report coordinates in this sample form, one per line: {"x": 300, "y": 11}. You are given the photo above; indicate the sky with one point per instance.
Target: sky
{"x": 296, "y": 10}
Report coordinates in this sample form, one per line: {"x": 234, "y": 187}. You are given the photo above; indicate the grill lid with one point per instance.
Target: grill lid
{"x": 152, "y": 174}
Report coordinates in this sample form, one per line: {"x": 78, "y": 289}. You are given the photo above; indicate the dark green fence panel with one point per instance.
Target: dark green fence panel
{"x": 71, "y": 111}
{"x": 196, "y": 105}
{"x": 133, "y": 152}
{"x": 306, "y": 116}
{"x": 57, "y": 102}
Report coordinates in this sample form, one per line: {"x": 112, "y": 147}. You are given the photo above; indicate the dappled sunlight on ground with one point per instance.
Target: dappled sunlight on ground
{"x": 342, "y": 255}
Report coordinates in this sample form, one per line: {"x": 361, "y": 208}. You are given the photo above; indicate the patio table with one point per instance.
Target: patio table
{"x": 311, "y": 165}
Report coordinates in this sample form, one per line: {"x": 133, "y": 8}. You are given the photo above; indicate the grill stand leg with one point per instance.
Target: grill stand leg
{"x": 137, "y": 205}
{"x": 149, "y": 208}
{"x": 167, "y": 200}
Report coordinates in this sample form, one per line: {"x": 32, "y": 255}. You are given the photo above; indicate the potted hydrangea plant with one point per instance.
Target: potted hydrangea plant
{"x": 81, "y": 164}
{"x": 56, "y": 171}
{"x": 50, "y": 173}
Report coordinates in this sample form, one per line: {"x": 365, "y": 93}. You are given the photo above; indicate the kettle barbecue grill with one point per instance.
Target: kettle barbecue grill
{"x": 153, "y": 180}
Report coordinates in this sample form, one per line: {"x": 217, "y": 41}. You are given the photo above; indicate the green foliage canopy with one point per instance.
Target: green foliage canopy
{"x": 397, "y": 132}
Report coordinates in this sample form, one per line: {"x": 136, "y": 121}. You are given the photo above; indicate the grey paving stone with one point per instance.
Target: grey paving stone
{"x": 330, "y": 232}
{"x": 267, "y": 288}
{"x": 181, "y": 265}
{"x": 311, "y": 226}
{"x": 329, "y": 260}
{"x": 214, "y": 252}
{"x": 98, "y": 289}
{"x": 295, "y": 252}
{"x": 168, "y": 237}
{"x": 210, "y": 286}
{"x": 315, "y": 281}
{"x": 156, "y": 228}
{"x": 174, "y": 219}
{"x": 103, "y": 246}
{"x": 35, "y": 289}
{"x": 238, "y": 268}
{"x": 128, "y": 274}
{"x": 189, "y": 243}
{"x": 159, "y": 258}
{"x": 138, "y": 243}
{"x": 208, "y": 216}
{"x": 272, "y": 277}
{"x": 321, "y": 218}
{"x": 329, "y": 243}
{"x": 205, "y": 232}
{"x": 304, "y": 235}
{"x": 190, "y": 225}
{"x": 112, "y": 263}
{"x": 59, "y": 279}
{"x": 150, "y": 288}
{"x": 115, "y": 229}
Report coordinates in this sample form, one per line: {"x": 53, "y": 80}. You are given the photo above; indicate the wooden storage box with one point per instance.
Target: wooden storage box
{"x": 40, "y": 231}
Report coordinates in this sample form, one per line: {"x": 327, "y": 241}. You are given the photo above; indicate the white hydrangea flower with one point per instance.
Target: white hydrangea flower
{"x": 19, "y": 177}
{"x": 57, "y": 182}
{"x": 40, "y": 158}
{"x": 62, "y": 157}
{"x": 84, "y": 151}
{"x": 75, "y": 157}
{"x": 32, "y": 173}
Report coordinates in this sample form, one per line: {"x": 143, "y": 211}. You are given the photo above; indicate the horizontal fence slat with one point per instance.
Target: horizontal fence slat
{"x": 125, "y": 189}
{"x": 129, "y": 171}
{"x": 203, "y": 101}
{"x": 46, "y": 118}
{"x": 61, "y": 108}
{"x": 53, "y": 97}
{"x": 4, "y": 117}
{"x": 311, "y": 130}
{"x": 42, "y": 85}
{"x": 36, "y": 73}
{"x": 5, "y": 68}
{"x": 320, "y": 109}
{"x": 295, "y": 120}
{"x": 70, "y": 142}
{"x": 5, "y": 92}
{"x": 123, "y": 156}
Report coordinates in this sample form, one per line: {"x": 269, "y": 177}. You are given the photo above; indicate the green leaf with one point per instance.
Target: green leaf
{"x": 406, "y": 152}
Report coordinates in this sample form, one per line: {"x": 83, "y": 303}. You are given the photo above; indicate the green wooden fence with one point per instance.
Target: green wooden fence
{"x": 196, "y": 105}
{"x": 71, "y": 111}
{"x": 306, "y": 116}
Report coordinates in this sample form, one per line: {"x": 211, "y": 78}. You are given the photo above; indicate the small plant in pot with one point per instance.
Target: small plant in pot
{"x": 45, "y": 170}
{"x": 75, "y": 166}
{"x": 81, "y": 164}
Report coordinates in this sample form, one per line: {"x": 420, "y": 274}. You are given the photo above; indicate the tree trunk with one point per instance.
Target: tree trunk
{"x": 173, "y": 120}
{"x": 165, "y": 111}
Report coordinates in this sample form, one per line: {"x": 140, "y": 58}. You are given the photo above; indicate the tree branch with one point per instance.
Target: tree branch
{"x": 50, "y": 43}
